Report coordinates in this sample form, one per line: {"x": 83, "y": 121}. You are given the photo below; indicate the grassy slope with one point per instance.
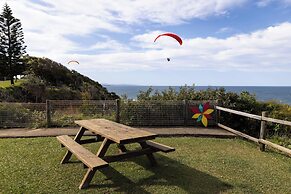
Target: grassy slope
{"x": 199, "y": 165}
{"x": 5, "y": 84}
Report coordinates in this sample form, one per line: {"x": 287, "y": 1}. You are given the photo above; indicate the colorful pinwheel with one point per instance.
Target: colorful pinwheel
{"x": 202, "y": 113}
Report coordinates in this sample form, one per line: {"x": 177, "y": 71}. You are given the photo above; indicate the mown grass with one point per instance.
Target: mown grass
{"x": 5, "y": 84}
{"x": 199, "y": 165}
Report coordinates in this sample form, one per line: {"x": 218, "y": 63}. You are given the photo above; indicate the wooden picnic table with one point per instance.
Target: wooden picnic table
{"x": 108, "y": 132}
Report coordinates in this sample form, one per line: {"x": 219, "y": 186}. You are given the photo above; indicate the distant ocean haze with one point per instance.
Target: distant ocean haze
{"x": 262, "y": 93}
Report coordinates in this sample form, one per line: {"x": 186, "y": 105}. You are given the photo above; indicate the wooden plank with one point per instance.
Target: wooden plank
{"x": 278, "y": 147}
{"x": 160, "y": 147}
{"x": 238, "y": 133}
{"x": 277, "y": 121}
{"x": 77, "y": 138}
{"x": 239, "y": 113}
{"x": 87, "y": 157}
{"x": 116, "y": 132}
{"x": 254, "y": 116}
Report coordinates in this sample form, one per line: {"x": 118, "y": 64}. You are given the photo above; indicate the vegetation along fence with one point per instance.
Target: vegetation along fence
{"x": 263, "y": 130}
{"x": 60, "y": 113}
{"x": 137, "y": 113}
{"x": 22, "y": 115}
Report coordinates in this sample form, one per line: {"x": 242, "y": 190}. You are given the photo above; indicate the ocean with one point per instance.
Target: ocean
{"x": 262, "y": 93}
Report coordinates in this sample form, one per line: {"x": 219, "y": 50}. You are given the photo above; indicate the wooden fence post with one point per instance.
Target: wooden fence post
{"x": 117, "y": 111}
{"x": 48, "y": 113}
{"x": 186, "y": 104}
{"x": 263, "y": 132}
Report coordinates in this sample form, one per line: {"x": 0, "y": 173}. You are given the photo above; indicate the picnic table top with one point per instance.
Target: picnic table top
{"x": 116, "y": 132}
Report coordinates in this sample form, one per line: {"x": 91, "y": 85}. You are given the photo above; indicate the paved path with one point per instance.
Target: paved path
{"x": 169, "y": 131}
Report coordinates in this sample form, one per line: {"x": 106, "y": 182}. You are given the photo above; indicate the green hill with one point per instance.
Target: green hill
{"x": 46, "y": 79}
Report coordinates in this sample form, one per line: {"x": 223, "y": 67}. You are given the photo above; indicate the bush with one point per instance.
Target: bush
{"x": 244, "y": 101}
{"x": 59, "y": 119}
{"x": 14, "y": 115}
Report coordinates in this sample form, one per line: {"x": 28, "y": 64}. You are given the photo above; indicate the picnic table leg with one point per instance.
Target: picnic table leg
{"x": 150, "y": 155}
{"x": 104, "y": 147}
{"x": 87, "y": 178}
{"x": 91, "y": 172}
{"x": 121, "y": 148}
{"x": 77, "y": 138}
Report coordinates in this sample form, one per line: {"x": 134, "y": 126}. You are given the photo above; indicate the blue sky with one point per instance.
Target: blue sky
{"x": 225, "y": 42}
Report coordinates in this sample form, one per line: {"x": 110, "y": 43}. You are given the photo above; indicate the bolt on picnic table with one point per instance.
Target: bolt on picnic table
{"x": 108, "y": 132}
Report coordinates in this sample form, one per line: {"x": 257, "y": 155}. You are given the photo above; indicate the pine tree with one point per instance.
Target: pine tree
{"x": 3, "y": 64}
{"x": 12, "y": 44}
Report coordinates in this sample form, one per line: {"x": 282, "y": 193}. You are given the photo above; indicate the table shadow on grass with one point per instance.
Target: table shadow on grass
{"x": 120, "y": 183}
{"x": 170, "y": 172}
{"x": 167, "y": 173}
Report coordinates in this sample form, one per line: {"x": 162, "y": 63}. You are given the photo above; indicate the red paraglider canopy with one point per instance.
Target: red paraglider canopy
{"x": 171, "y": 35}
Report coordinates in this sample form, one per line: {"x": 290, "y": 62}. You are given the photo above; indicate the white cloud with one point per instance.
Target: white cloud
{"x": 132, "y": 11}
{"x": 108, "y": 45}
{"x": 46, "y": 29}
{"x": 264, "y": 50}
{"x": 47, "y": 24}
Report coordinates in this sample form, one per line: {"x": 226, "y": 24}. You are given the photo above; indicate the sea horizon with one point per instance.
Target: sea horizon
{"x": 281, "y": 94}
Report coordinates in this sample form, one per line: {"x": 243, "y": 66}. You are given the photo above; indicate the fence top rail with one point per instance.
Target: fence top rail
{"x": 283, "y": 122}
{"x": 171, "y": 101}
{"x": 82, "y": 100}
{"x": 22, "y": 103}
{"x": 253, "y": 116}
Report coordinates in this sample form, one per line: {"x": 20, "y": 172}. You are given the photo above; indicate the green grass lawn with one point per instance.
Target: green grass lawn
{"x": 5, "y": 84}
{"x": 199, "y": 165}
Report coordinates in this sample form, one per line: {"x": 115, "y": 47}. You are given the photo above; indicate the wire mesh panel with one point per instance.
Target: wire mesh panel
{"x": 137, "y": 113}
{"x": 152, "y": 113}
{"x": 65, "y": 112}
{"x": 162, "y": 113}
{"x": 22, "y": 115}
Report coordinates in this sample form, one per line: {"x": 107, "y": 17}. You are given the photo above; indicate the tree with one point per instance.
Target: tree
{"x": 3, "y": 64}
{"x": 12, "y": 44}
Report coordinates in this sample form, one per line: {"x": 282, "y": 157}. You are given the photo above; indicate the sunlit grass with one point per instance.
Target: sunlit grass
{"x": 7, "y": 83}
{"x": 199, "y": 165}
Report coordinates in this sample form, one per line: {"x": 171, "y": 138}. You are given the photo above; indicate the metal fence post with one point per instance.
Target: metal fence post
{"x": 186, "y": 104}
{"x": 218, "y": 113}
{"x": 48, "y": 113}
{"x": 263, "y": 132}
{"x": 117, "y": 113}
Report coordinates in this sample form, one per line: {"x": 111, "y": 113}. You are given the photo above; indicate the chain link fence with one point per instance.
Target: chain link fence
{"x": 60, "y": 113}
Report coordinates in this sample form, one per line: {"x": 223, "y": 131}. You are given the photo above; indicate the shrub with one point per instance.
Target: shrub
{"x": 14, "y": 115}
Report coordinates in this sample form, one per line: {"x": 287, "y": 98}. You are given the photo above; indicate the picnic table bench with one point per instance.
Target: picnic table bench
{"x": 108, "y": 132}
